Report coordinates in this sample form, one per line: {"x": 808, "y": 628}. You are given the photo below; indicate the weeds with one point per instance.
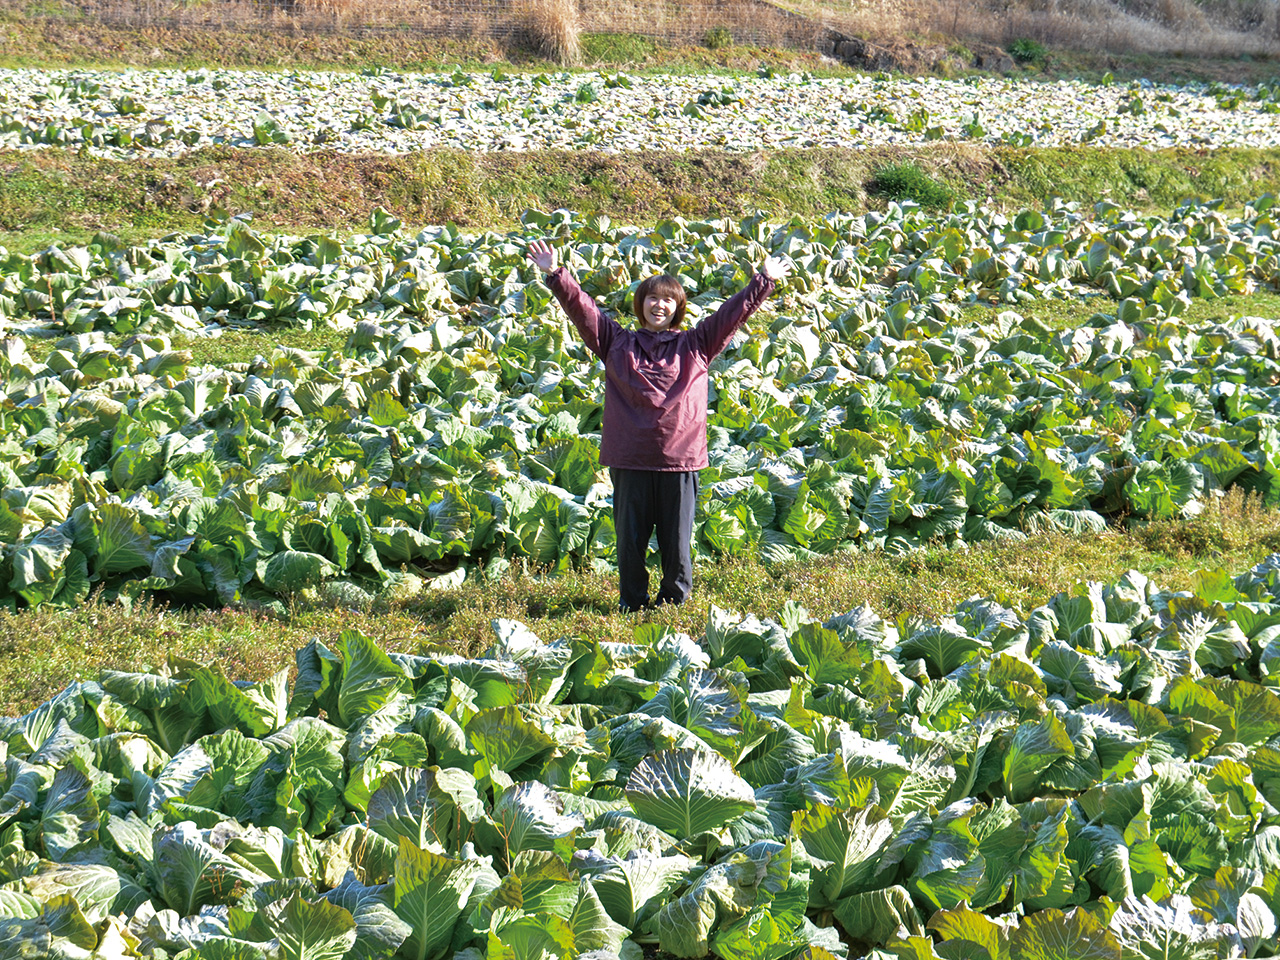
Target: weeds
{"x": 1227, "y": 524}
{"x": 618, "y": 48}
{"x": 717, "y": 38}
{"x": 1028, "y": 52}
{"x": 907, "y": 181}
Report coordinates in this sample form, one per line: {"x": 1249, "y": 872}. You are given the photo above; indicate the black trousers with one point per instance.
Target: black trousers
{"x": 645, "y": 501}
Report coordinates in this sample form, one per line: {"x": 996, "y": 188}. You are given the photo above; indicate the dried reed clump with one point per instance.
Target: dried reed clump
{"x": 552, "y": 28}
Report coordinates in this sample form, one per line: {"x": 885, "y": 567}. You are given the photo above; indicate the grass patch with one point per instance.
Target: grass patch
{"x": 1057, "y": 314}
{"x": 41, "y": 651}
{"x": 1137, "y": 178}
{"x": 907, "y": 181}
{"x": 1068, "y": 313}
{"x": 717, "y": 38}
{"x": 245, "y": 346}
{"x": 1264, "y": 303}
{"x": 1093, "y": 65}
{"x": 58, "y": 196}
{"x": 231, "y": 345}
{"x": 51, "y": 41}
{"x": 619, "y": 49}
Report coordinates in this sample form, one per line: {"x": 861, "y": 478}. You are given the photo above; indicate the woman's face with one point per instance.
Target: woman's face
{"x": 659, "y": 312}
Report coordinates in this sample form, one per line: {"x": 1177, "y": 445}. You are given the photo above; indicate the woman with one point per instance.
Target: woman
{"x": 654, "y": 435}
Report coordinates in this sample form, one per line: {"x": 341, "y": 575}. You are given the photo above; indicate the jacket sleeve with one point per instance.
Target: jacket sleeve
{"x": 714, "y": 333}
{"x": 597, "y": 330}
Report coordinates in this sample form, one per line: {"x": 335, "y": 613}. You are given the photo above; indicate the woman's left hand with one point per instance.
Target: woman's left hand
{"x": 543, "y": 255}
{"x": 776, "y": 268}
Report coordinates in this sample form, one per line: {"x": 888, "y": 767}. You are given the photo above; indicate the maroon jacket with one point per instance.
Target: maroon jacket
{"x": 655, "y": 392}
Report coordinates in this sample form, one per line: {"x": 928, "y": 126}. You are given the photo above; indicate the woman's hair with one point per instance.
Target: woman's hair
{"x": 663, "y": 285}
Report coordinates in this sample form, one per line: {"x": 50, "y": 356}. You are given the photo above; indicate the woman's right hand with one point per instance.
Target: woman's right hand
{"x": 542, "y": 255}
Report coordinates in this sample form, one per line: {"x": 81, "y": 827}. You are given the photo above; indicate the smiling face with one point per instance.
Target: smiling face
{"x": 659, "y": 312}
{"x": 660, "y": 303}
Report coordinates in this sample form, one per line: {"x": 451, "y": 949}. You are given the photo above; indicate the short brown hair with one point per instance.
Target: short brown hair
{"x": 663, "y": 285}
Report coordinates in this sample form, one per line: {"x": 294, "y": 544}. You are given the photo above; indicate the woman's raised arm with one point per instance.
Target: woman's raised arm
{"x": 597, "y": 330}
{"x": 714, "y": 333}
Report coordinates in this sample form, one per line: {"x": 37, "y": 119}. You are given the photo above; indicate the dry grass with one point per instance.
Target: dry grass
{"x": 1179, "y": 27}
{"x": 1189, "y": 28}
{"x": 339, "y": 12}
{"x": 552, "y": 28}
{"x": 761, "y": 23}
{"x": 1212, "y": 28}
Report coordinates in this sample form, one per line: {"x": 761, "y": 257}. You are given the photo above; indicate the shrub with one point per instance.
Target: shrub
{"x": 551, "y": 28}
{"x": 906, "y": 181}
{"x": 1027, "y": 51}
{"x": 717, "y": 38}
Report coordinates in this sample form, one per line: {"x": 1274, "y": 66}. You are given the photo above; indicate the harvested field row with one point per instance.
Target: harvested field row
{"x": 168, "y": 113}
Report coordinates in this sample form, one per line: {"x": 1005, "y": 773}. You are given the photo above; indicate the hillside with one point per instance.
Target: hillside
{"x": 1062, "y": 37}
{"x": 1184, "y": 28}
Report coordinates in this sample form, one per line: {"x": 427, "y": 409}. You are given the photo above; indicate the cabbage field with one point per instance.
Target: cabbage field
{"x": 1096, "y": 779}
{"x": 456, "y": 432}
{"x": 168, "y": 112}
{"x": 1099, "y": 780}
